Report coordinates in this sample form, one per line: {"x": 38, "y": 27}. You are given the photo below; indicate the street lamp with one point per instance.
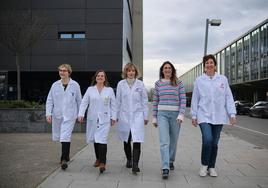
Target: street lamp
{"x": 212, "y": 22}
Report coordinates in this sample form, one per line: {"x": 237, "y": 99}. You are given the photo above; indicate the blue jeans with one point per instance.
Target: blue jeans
{"x": 168, "y": 136}
{"x": 210, "y": 138}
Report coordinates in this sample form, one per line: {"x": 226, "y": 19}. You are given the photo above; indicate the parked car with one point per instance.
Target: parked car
{"x": 242, "y": 107}
{"x": 260, "y": 109}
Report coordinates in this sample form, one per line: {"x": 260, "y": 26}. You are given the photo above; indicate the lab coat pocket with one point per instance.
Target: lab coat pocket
{"x": 106, "y": 100}
{"x": 123, "y": 118}
{"x": 71, "y": 96}
{"x": 104, "y": 117}
{"x": 220, "y": 94}
{"x": 137, "y": 94}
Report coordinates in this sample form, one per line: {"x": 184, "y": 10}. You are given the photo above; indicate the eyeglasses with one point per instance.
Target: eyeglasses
{"x": 63, "y": 70}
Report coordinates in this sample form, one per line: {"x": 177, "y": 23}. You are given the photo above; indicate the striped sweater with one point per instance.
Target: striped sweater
{"x": 167, "y": 95}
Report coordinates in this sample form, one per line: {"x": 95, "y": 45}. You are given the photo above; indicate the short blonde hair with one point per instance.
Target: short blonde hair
{"x": 67, "y": 66}
{"x": 129, "y": 66}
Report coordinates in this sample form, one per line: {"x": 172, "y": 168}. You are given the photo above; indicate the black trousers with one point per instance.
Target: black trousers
{"x": 136, "y": 150}
{"x": 65, "y": 151}
{"x": 100, "y": 152}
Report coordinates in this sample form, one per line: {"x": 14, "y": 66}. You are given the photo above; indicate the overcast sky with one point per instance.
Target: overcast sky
{"x": 174, "y": 30}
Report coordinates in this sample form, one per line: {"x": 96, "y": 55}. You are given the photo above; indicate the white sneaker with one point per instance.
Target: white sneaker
{"x": 212, "y": 172}
{"x": 203, "y": 171}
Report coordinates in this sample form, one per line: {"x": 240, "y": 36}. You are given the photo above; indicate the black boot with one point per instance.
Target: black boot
{"x": 102, "y": 155}
{"x": 136, "y": 158}
{"x": 68, "y": 151}
{"x": 65, "y": 149}
{"x": 127, "y": 149}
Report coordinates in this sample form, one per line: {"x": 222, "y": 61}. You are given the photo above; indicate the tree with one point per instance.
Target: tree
{"x": 21, "y": 31}
{"x": 151, "y": 94}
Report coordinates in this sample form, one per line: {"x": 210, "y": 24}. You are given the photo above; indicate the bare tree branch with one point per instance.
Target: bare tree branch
{"x": 21, "y": 31}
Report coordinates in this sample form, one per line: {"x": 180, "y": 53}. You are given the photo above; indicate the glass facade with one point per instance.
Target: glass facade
{"x": 245, "y": 60}
{"x": 254, "y": 54}
{"x": 222, "y": 62}
{"x": 239, "y": 59}
{"x": 233, "y": 63}
{"x": 264, "y": 51}
{"x": 227, "y": 63}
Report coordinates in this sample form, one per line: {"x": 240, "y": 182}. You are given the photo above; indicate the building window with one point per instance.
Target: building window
{"x": 246, "y": 58}
{"x": 254, "y": 54}
{"x": 72, "y": 35}
{"x": 264, "y": 51}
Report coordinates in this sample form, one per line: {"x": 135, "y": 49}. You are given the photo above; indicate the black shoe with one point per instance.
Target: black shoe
{"x": 64, "y": 164}
{"x": 165, "y": 173}
{"x": 135, "y": 169}
{"x": 129, "y": 164}
{"x": 102, "y": 167}
{"x": 171, "y": 166}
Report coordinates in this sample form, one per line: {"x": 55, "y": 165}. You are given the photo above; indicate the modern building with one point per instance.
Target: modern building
{"x": 244, "y": 62}
{"x": 88, "y": 34}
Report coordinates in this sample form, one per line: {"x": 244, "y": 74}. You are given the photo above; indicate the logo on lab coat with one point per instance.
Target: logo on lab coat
{"x": 106, "y": 100}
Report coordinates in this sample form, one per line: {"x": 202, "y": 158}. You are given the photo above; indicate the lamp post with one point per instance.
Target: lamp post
{"x": 212, "y": 22}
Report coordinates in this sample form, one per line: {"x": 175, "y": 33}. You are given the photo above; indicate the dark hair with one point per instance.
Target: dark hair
{"x": 173, "y": 78}
{"x": 93, "y": 82}
{"x": 207, "y": 57}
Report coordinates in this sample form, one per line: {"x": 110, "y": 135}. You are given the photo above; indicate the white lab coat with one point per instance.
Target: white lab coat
{"x": 132, "y": 110}
{"x": 63, "y": 107}
{"x": 101, "y": 109}
{"x": 212, "y": 100}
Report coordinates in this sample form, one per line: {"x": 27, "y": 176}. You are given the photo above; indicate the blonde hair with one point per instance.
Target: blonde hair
{"x": 67, "y": 66}
{"x": 129, "y": 66}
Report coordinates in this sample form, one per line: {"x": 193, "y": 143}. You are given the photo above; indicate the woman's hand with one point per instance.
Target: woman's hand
{"x": 80, "y": 119}
{"x": 49, "y": 119}
{"x": 179, "y": 121}
{"x": 194, "y": 122}
{"x": 112, "y": 122}
{"x": 145, "y": 122}
{"x": 232, "y": 120}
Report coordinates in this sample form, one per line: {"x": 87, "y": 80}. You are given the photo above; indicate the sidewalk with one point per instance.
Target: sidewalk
{"x": 239, "y": 164}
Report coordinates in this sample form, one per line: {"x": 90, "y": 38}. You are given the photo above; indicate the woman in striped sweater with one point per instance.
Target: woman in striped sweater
{"x": 169, "y": 104}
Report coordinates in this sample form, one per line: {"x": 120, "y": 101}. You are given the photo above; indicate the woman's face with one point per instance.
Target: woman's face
{"x": 167, "y": 71}
{"x": 100, "y": 78}
{"x": 63, "y": 72}
{"x": 210, "y": 66}
{"x": 131, "y": 73}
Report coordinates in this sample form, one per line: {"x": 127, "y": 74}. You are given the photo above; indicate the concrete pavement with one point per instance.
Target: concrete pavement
{"x": 239, "y": 164}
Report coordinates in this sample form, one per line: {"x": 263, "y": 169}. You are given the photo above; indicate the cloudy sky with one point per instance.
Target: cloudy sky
{"x": 174, "y": 30}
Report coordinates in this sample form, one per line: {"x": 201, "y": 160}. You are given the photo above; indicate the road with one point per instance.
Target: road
{"x": 250, "y": 129}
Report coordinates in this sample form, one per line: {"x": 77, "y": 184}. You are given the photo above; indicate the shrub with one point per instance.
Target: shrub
{"x": 19, "y": 104}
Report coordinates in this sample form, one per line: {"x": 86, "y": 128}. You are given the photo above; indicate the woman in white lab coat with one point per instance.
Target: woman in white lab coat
{"x": 212, "y": 106}
{"x": 62, "y": 107}
{"x": 101, "y": 114}
{"x": 131, "y": 99}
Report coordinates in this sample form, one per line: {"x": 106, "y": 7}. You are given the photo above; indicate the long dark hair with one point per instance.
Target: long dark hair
{"x": 173, "y": 78}
{"x": 93, "y": 82}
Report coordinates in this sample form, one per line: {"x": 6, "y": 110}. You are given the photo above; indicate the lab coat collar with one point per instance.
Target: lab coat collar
{"x": 133, "y": 86}
{"x": 206, "y": 77}
{"x": 70, "y": 82}
{"x": 103, "y": 89}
